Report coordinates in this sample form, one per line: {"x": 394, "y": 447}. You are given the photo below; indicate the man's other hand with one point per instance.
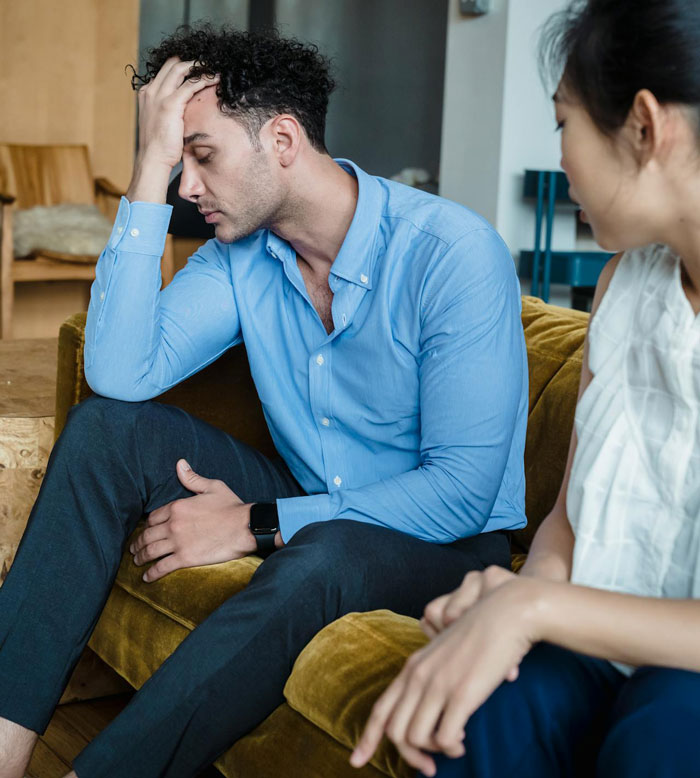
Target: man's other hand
{"x": 206, "y": 529}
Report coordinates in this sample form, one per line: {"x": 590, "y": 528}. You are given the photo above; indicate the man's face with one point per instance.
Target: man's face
{"x": 231, "y": 182}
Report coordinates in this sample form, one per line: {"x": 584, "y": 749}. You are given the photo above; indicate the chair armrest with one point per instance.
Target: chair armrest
{"x": 105, "y": 186}
{"x": 223, "y": 394}
{"x": 6, "y": 199}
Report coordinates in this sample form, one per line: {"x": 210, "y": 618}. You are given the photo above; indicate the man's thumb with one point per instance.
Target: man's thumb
{"x": 189, "y": 479}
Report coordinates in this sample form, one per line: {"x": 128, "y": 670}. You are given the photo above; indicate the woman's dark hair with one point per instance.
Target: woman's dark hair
{"x": 605, "y": 51}
{"x": 262, "y": 75}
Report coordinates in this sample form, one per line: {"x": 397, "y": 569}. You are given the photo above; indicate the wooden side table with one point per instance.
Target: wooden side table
{"x": 27, "y": 400}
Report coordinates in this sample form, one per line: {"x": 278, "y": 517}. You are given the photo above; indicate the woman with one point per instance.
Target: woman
{"x": 598, "y": 639}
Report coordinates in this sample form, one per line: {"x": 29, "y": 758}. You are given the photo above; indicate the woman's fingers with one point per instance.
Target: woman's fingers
{"x": 376, "y": 724}
{"x": 463, "y": 598}
{"x": 433, "y": 613}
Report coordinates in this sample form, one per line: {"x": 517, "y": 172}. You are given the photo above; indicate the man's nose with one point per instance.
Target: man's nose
{"x": 191, "y": 186}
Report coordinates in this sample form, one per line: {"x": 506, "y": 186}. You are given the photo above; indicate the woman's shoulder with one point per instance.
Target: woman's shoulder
{"x": 627, "y": 273}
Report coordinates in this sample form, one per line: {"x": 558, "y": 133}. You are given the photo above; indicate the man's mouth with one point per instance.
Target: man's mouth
{"x": 209, "y": 216}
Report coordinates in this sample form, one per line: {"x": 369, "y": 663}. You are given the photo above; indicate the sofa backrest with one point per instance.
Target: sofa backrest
{"x": 554, "y": 337}
{"x": 223, "y": 394}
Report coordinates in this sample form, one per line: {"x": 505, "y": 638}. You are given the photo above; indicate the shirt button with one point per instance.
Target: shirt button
{"x": 134, "y": 233}
{"x": 345, "y": 319}
{"x": 326, "y": 422}
{"x": 337, "y": 480}
{"x": 102, "y": 295}
{"x": 320, "y": 360}
{"x": 364, "y": 278}
{"x": 120, "y": 230}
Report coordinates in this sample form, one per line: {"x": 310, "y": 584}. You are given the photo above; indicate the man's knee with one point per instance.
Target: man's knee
{"x": 103, "y": 413}
{"x": 99, "y": 421}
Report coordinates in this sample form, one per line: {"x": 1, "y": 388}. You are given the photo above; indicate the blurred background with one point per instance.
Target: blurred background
{"x": 422, "y": 85}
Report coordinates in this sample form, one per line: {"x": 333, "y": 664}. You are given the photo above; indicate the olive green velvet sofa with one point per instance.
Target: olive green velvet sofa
{"x": 337, "y": 678}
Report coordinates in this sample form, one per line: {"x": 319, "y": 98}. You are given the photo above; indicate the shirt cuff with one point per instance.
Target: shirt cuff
{"x": 140, "y": 228}
{"x": 296, "y": 512}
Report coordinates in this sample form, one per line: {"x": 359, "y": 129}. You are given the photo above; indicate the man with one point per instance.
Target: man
{"x": 383, "y": 331}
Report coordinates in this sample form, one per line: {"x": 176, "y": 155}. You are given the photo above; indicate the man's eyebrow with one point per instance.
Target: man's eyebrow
{"x": 194, "y": 137}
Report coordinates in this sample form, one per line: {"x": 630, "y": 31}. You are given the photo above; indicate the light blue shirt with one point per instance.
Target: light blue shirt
{"x": 411, "y": 414}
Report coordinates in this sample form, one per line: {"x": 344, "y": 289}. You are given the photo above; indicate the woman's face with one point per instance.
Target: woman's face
{"x": 603, "y": 176}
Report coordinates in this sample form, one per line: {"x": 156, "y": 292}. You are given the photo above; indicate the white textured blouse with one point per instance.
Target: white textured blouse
{"x": 634, "y": 491}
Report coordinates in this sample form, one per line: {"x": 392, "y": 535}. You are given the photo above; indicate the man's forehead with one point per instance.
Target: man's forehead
{"x": 201, "y": 112}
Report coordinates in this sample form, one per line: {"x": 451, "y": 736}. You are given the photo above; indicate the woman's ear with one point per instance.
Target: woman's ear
{"x": 647, "y": 126}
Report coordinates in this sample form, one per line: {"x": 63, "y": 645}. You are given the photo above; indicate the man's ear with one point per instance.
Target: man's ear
{"x": 648, "y": 126}
{"x": 286, "y": 135}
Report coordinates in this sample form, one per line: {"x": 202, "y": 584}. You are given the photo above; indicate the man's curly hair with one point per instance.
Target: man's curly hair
{"x": 262, "y": 75}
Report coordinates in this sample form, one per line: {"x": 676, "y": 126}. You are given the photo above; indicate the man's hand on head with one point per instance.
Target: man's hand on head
{"x": 161, "y": 127}
{"x": 208, "y": 528}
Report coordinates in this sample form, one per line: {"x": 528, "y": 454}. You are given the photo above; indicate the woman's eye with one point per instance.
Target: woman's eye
{"x": 559, "y": 126}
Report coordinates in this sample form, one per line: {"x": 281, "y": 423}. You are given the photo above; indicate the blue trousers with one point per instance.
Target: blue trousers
{"x": 114, "y": 462}
{"x": 572, "y": 716}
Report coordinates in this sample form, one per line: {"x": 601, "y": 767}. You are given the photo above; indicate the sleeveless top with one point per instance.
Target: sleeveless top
{"x": 634, "y": 491}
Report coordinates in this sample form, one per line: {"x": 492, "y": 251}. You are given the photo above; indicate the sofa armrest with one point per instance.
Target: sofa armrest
{"x": 223, "y": 394}
{"x": 105, "y": 186}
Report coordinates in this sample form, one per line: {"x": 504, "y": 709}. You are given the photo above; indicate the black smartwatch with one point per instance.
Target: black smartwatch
{"x": 264, "y": 524}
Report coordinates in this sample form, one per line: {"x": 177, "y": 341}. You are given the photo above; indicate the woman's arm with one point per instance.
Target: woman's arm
{"x": 620, "y": 627}
{"x": 552, "y": 547}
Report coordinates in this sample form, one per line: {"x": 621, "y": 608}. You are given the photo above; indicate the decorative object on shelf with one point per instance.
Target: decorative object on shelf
{"x": 578, "y": 269}
{"x": 474, "y": 7}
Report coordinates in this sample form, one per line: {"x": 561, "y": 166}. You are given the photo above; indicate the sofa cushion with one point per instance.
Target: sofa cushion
{"x": 340, "y": 674}
{"x": 554, "y": 337}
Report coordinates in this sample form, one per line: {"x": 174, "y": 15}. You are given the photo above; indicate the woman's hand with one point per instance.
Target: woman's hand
{"x": 427, "y": 706}
{"x": 441, "y": 612}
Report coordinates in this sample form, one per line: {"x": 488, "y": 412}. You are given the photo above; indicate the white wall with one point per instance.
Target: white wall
{"x": 498, "y": 118}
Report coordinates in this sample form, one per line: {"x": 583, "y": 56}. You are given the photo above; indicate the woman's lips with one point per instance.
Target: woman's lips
{"x": 582, "y": 216}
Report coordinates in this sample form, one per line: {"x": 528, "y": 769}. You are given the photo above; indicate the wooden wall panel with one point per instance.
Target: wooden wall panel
{"x": 62, "y": 77}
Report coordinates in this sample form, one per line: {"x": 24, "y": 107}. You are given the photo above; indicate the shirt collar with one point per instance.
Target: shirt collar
{"x": 356, "y": 259}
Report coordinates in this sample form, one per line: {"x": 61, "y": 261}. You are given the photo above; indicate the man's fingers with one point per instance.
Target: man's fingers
{"x": 171, "y": 75}
{"x": 162, "y": 568}
{"x": 149, "y": 535}
{"x": 153, "y": 551}
{"x": 374, "y": 729}
{"x": 159, "y": 515}
{"x": 190, "y": 480}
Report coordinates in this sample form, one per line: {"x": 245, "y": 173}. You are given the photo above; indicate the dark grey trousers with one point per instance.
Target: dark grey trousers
{"x": 114, "y": 462}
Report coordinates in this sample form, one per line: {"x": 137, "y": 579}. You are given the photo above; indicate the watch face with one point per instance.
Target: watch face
{"x": 263, "y": 518}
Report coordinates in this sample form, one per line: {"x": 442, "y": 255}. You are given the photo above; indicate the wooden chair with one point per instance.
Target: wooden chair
{"x": 49, "y": 175}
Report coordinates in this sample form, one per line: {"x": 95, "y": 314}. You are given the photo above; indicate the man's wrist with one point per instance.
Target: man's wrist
{"x": 149, "y": 181}
{"x": 251, "y": 542}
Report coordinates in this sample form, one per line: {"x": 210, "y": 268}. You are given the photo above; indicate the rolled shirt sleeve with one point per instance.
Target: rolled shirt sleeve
{"x": 139, "y": 340}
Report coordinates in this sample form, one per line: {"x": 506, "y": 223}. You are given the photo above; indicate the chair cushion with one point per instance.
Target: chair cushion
{"x": 340, "y": 674}
{"x": 69, "y": 232}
